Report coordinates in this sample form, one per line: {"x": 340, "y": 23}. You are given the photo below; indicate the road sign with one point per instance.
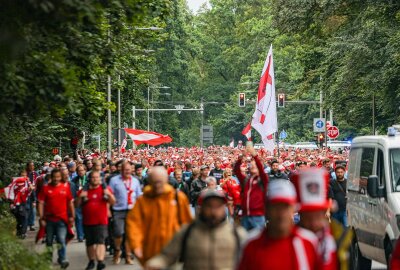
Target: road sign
{"x": 55, "y": 151}
{"x": 283, "y": 135}
{"x": 319, "y": 125}
{"x": 333, "y": 132}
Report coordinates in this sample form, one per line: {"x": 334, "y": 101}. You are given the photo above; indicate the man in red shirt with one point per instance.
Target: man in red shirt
{"x": 281, "y": 237}
{"x": 56, "y": 212}
{"x": 95, "y": 218}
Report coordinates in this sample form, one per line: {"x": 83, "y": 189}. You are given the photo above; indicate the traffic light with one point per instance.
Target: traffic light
{"x": 281, "y": 100}
{"x": 242, "y": 100}
{"x": 321, "y": 139}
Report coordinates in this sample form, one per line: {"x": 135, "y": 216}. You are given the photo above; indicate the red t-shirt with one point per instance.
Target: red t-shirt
{"x": 94, "y": 211}
{"x": 280, "y": 254}
{"x": 55, "y": 199}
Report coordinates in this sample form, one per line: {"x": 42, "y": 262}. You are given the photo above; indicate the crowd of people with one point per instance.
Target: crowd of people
{"x": 210, "y": 208}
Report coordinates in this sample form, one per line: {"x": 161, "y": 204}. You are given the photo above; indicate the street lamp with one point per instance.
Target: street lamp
{"x": 148, "y": 101}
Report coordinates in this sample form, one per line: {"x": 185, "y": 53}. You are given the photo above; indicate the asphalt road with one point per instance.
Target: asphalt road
{"x": 76, "y": 255}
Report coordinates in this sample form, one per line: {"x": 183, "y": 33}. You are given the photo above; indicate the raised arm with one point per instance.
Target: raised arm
{"x": 237, "y": 170}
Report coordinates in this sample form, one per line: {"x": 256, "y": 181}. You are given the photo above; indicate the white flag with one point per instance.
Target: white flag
{"x": 265, "y": 117}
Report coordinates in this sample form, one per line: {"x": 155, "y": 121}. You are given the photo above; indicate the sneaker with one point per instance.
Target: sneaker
{"x": 117, "y": 257}
{"x": 128, "y": 260}
{"x": 32, "y": 228}
{"x": 90, "y": 265}
{"x": 100, "y": 266}
{"x": 64, "y": 264}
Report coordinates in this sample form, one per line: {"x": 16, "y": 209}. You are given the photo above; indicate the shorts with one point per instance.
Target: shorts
{"x": 95, "y": 234}
{"x": 119, "y": 223}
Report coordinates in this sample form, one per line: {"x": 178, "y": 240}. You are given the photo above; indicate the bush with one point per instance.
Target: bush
{"x": 14, "y": 254}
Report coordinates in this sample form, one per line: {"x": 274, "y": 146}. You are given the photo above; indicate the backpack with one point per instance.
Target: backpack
{"x": 186, "y": 235}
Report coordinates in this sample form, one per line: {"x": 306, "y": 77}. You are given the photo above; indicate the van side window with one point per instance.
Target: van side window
{"x": 353, "y": 171}
{"x": 366, "y": 167}
{"x": 380, "y": 169}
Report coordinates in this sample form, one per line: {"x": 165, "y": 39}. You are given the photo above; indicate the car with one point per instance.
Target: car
{"x": 373, "y": 198}
{"x": 336, "y": 145}
{"x": 305, "y": 145}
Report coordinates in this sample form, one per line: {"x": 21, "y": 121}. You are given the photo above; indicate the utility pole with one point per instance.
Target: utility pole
{"x": 320, "y": 103}
{"x": 373, "y": 114}
{"x": 202, "y": 123}
{"x": 119, "y": 117}
{"x": 148, "y": 106}
{"x": 133, "y": 117}
{"x": 109, "y": 117}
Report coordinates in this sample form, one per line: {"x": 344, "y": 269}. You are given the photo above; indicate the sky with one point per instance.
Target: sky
{"x": 194, "y": 5}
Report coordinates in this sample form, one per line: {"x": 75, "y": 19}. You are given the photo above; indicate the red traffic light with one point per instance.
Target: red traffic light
{"x": 242, "y": 100}
{"x": 281, "y": 100}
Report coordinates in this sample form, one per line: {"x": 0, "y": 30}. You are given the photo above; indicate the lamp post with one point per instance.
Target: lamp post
{"x": 148, "y": 101}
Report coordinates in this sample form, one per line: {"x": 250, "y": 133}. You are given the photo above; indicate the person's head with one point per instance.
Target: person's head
{"x": 158, "y": 178}
{"x": 158, "y": 163}
{"x": 217, "y": 164}
{"x": 274, "y": 165}
{"x": 253, "y": 168}
{"x": 204, "y": 170}
{"x": 280, "y": 208}
{"x": 97, "y": 165}
{"x": 71, "y": 167}
{"x": 327, "y": 163}
{"x": 112, "y": 168}
{"x": 196, "y": 173}
{"x": 212, "y": 207}
{"x": 178, "y": 175}
{"x": 138, "y": 169}
{"x": 301, "y": 165}
{"x": 89, "y": 164}
{"x": 65, "y": 174}
{"x": 314, "y": 221}
{"x": 23, "y": 173}
{"x": 227, "y": 173}
{"x": 211, "y": 182}
{"x": 188, "y": 166}
{"x": 126, "y": 170}
{"x": 55, "y": 177}
{"x": 30, "y": 166}
{"x": 81, "y": 170}
{"x": 95, "y": 179}
{"x": 340, "y": 171}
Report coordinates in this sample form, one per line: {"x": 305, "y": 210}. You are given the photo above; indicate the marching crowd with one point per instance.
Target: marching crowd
{"x": 211, "y": 208}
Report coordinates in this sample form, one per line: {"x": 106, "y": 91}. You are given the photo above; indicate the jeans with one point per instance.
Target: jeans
{"x": 31, "y": 213}
{"x": 78, "y": 223}
{"x": 59, "y": 230}
{"x": 341, "y": 216}
{"x": 253, "y": 222}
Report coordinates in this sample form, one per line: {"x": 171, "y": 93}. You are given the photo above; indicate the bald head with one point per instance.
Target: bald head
{"x": 158, "y": 178}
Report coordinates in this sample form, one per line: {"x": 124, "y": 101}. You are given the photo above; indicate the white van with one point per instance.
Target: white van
{"x": 373, "y": 198}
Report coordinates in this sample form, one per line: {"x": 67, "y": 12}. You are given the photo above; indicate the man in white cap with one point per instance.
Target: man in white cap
{"x": 298, "y": 245}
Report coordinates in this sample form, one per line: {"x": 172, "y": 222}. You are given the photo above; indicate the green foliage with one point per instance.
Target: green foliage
{"x": 12, "y": 250}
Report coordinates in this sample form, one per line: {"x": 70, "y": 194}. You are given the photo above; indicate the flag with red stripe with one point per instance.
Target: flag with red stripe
{"x": 265, "y": 117}
{"x": 247, "y": 131}
{"x": 147, "y": 137}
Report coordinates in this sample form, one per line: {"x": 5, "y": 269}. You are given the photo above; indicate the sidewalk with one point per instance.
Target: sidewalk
{"x": 76, "y": 254}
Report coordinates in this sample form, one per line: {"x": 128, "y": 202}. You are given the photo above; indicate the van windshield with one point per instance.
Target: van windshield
{"x": 395, "y": 167}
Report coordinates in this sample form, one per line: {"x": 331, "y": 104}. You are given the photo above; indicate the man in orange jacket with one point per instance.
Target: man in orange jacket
{"x": 156, "y": 216}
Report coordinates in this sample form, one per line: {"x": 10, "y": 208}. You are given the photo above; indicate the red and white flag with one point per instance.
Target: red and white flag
{"x": 265, "y": 117}
{"x": 247, "y": 131}
{"x": 232, "y": 143}
{"x": 123, "y": 145}
{"x": 147, "y": 137}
